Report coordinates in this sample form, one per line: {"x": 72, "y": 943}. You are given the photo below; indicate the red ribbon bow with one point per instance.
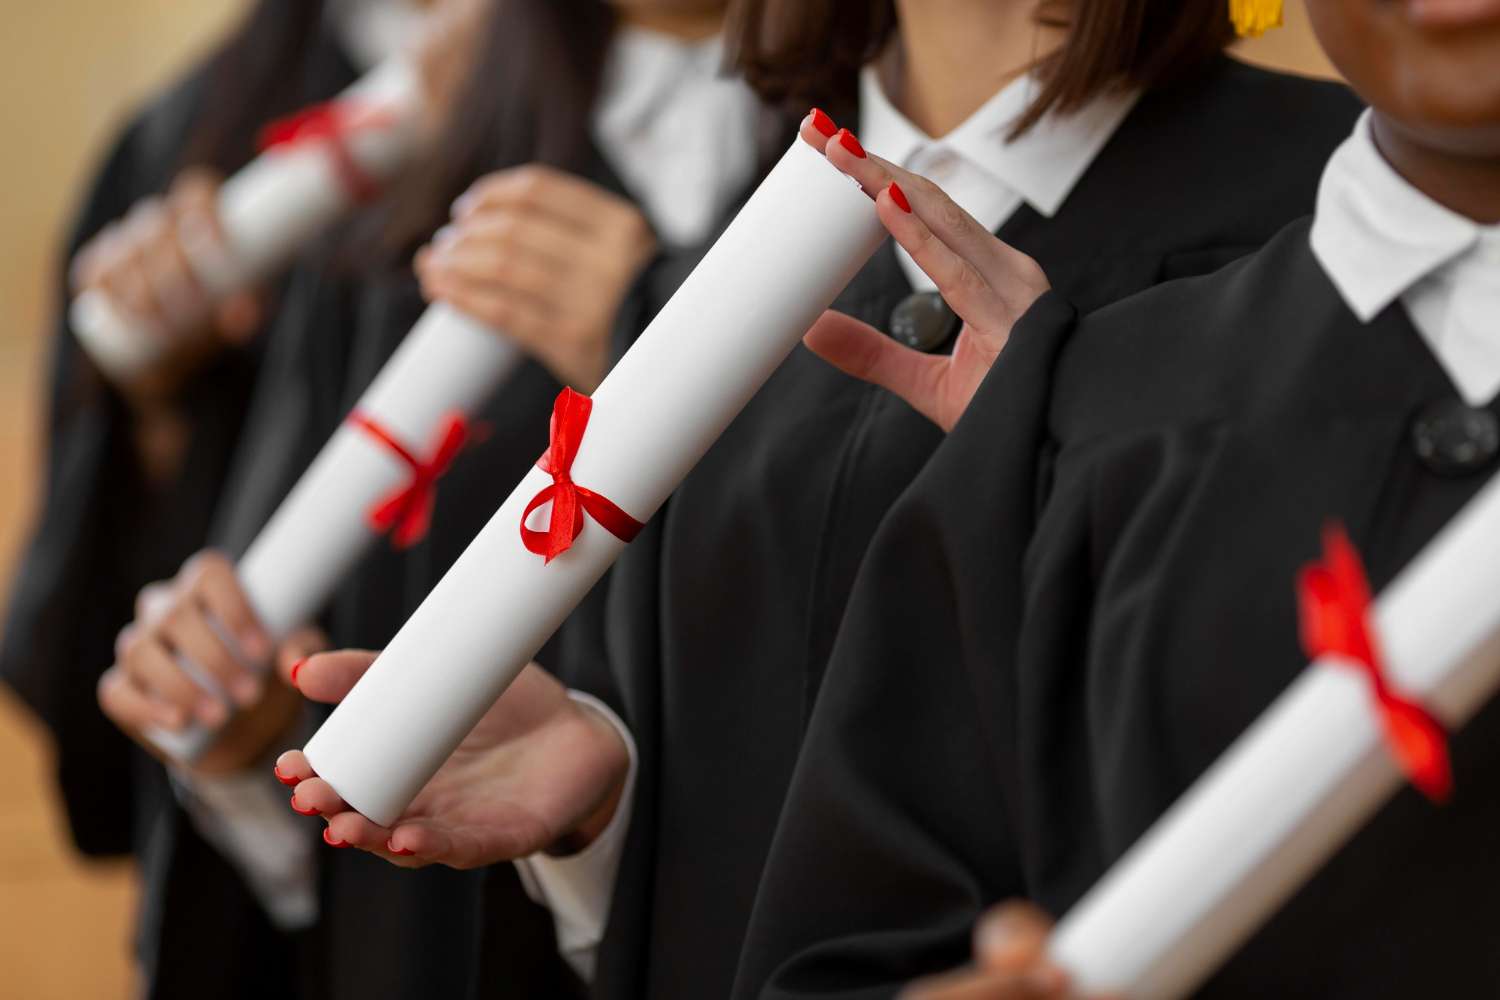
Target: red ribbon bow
{"x": 570, "y": 418}
{"x": 330, "y": 122}
{"x": 407, "y": 512}
{"x": 1334, "y": 603}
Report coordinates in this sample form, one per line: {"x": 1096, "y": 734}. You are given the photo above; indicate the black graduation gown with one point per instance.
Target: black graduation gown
{"x": 103, "y": 531}
{"x": 386, "y": 931}
{"x": 1084, "y": 599}
{"x": 724, "y": 612}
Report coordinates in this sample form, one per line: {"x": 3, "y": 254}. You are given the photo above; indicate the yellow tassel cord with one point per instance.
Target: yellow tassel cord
{"x": 1253, "y": 18}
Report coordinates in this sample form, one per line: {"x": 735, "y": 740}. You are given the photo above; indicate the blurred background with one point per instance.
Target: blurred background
{"x": 73, "y": 69}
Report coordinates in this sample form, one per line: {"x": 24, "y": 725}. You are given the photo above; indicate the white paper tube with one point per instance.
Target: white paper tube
{"x": 447, "y": 363}
{"x": 793, "y": 247}
{"x": 1294, "y": 787}
{"x": 277, "y": 203}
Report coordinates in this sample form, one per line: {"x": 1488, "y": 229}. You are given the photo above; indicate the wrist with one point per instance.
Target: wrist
{"x": 593, "y": 825}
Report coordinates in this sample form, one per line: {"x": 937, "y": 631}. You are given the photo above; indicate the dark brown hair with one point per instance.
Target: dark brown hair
{"x": 809, "y": 52}
{"x": 258, "y": 73}
{"x": 528, "y": 99}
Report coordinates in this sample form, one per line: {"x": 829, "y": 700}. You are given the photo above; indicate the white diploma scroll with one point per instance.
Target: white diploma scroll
{"x": 447, "y": 364}
{"x": 276, "y": 204}
{"x": 793, "y": 247}
{"x": 1294, "y": 787}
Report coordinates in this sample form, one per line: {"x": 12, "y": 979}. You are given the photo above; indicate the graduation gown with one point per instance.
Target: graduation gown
{"x": 1085, "y": 598}
{"x": 103, "y": 531}
{"x": 724, "y": 612}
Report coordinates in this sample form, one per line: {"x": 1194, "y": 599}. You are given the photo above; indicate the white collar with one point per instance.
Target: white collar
{"x": 371, "y": 31}
{"x": 1042, "y": 165}
{"x": 1375, "y": 234}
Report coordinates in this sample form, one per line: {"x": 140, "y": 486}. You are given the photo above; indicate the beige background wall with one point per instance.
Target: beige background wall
{"x": 70, "y": 70}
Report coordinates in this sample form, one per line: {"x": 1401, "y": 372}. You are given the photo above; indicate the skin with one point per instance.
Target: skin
{"x": 1429, "y": 70}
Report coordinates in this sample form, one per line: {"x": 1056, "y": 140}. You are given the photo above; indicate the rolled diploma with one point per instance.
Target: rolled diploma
{"x": 793, "y": 247}
{"x": 448, "y": 362}
{"x": 277, "y": 203}
{"x": 1295, "y": 786}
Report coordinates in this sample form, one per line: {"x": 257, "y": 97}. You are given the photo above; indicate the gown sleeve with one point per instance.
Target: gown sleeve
{"x": 102, "y": 531}
{"x": 884, "y": 855}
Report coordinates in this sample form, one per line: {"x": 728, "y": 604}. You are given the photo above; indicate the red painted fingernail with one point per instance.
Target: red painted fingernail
{"x": 296, "y": 667}
{"x": 328, "y": 838}
{"x": 847, "y": 140}
{"x": 899, "y": 197}
{"x": 822, "y": 122}
{"x": 403, "y": 851}
{"x": 303, "y": 812}
{"x": 285, "y": 779}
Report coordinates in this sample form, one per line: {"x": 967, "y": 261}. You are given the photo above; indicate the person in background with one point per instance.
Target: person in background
{"x": 1102, "y": 138}
{"x": 591, "y": 158}
{"x": 1088, "y": 595}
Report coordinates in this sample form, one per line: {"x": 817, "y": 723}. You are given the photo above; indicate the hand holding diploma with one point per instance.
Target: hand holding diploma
{"x": 202, "y": 622}
{"x": 539, "y": 771}
{"x": 1010, "y": 962}
{"x": 988, "y": 283}
{"x": 545, "y": 256}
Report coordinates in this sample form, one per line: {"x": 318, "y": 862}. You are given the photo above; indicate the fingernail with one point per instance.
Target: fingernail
{"x": 303, "y": 812}
{"x": 822, "y": 122}
{"x": 443, "y": 237}
{"x": 211, "y": 711}
{"x": 899, "y": 197}
{"x": 328, "y": 838}
{"x": 255, "y": 646}
{"x": 286, "y": 779}
{"x": 847, "y": 140}
{"x": 461, "y": 204}
{"x": 246, "y": 690}
{"x": 296, "y": 667}
{"x": 401, "y": 851}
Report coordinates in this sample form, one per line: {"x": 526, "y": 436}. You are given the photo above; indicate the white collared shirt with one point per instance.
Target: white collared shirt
{"x": 682, "y": 136}
{"x": 988, "y": 174}
{"x": 1380, "y": 240}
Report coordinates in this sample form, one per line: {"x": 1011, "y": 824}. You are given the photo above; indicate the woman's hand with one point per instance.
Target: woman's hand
{"x": 1010, "y": 962}
{"x": 985, "y": 281}
{"x": 539, "y": 772}
{"x": 545, "y": 258}
{"x": 141, "y": 263}
{"x": 203, "y": 618}
{"x": 445, "y": 50}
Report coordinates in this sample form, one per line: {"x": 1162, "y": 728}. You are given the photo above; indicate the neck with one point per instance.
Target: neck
{"x": 953, "y": 55}
{"x": 687, "y": 26}
{"x": 1469, "y": 184}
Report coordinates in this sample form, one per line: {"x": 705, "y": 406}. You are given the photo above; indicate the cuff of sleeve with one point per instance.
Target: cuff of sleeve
{"x": 578, "y": 888}
{"x": 245, "y": 817}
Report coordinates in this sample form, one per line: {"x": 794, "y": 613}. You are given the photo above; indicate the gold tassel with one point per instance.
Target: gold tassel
{"x": 1253, "y": 18}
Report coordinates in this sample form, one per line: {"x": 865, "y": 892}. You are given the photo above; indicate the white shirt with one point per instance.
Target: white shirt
{"x": 1380, "y": 240}
{"x": 682, "y": 136}
{"x": 685, "y": 142}
{"x": 980, "y": 168}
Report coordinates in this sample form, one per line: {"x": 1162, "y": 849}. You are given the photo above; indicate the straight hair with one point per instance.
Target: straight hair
{"x": 798, "y": 53}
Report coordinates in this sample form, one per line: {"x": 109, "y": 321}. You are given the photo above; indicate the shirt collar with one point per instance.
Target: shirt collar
{"x": 1374, "y": 233}
{"x": 1042, "y": 165}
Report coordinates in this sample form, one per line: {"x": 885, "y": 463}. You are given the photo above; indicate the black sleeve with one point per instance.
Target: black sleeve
{"x": 102, "y": 531}
{"x": 895, "y": 834}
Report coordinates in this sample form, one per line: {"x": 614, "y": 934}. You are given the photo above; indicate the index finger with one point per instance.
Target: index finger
{"x": 534, "y": 188}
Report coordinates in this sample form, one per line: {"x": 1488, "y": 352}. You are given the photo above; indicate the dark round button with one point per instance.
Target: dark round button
{"x": 1453, "y": 439}
{"x": 923, "y": 320}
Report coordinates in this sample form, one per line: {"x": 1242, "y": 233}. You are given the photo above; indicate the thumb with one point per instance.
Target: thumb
{"x": 858, "y": 349}
{"x": 1011, "y": 937}
{"x": 328, "y": 677}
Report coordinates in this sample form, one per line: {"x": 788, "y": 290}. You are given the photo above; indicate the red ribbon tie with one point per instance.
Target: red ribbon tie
{"x": 330, "y": 123}
{"x": 1334, "y": 604}
{"x": 407, "y": 512}
{"x": 570, "y": 418}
